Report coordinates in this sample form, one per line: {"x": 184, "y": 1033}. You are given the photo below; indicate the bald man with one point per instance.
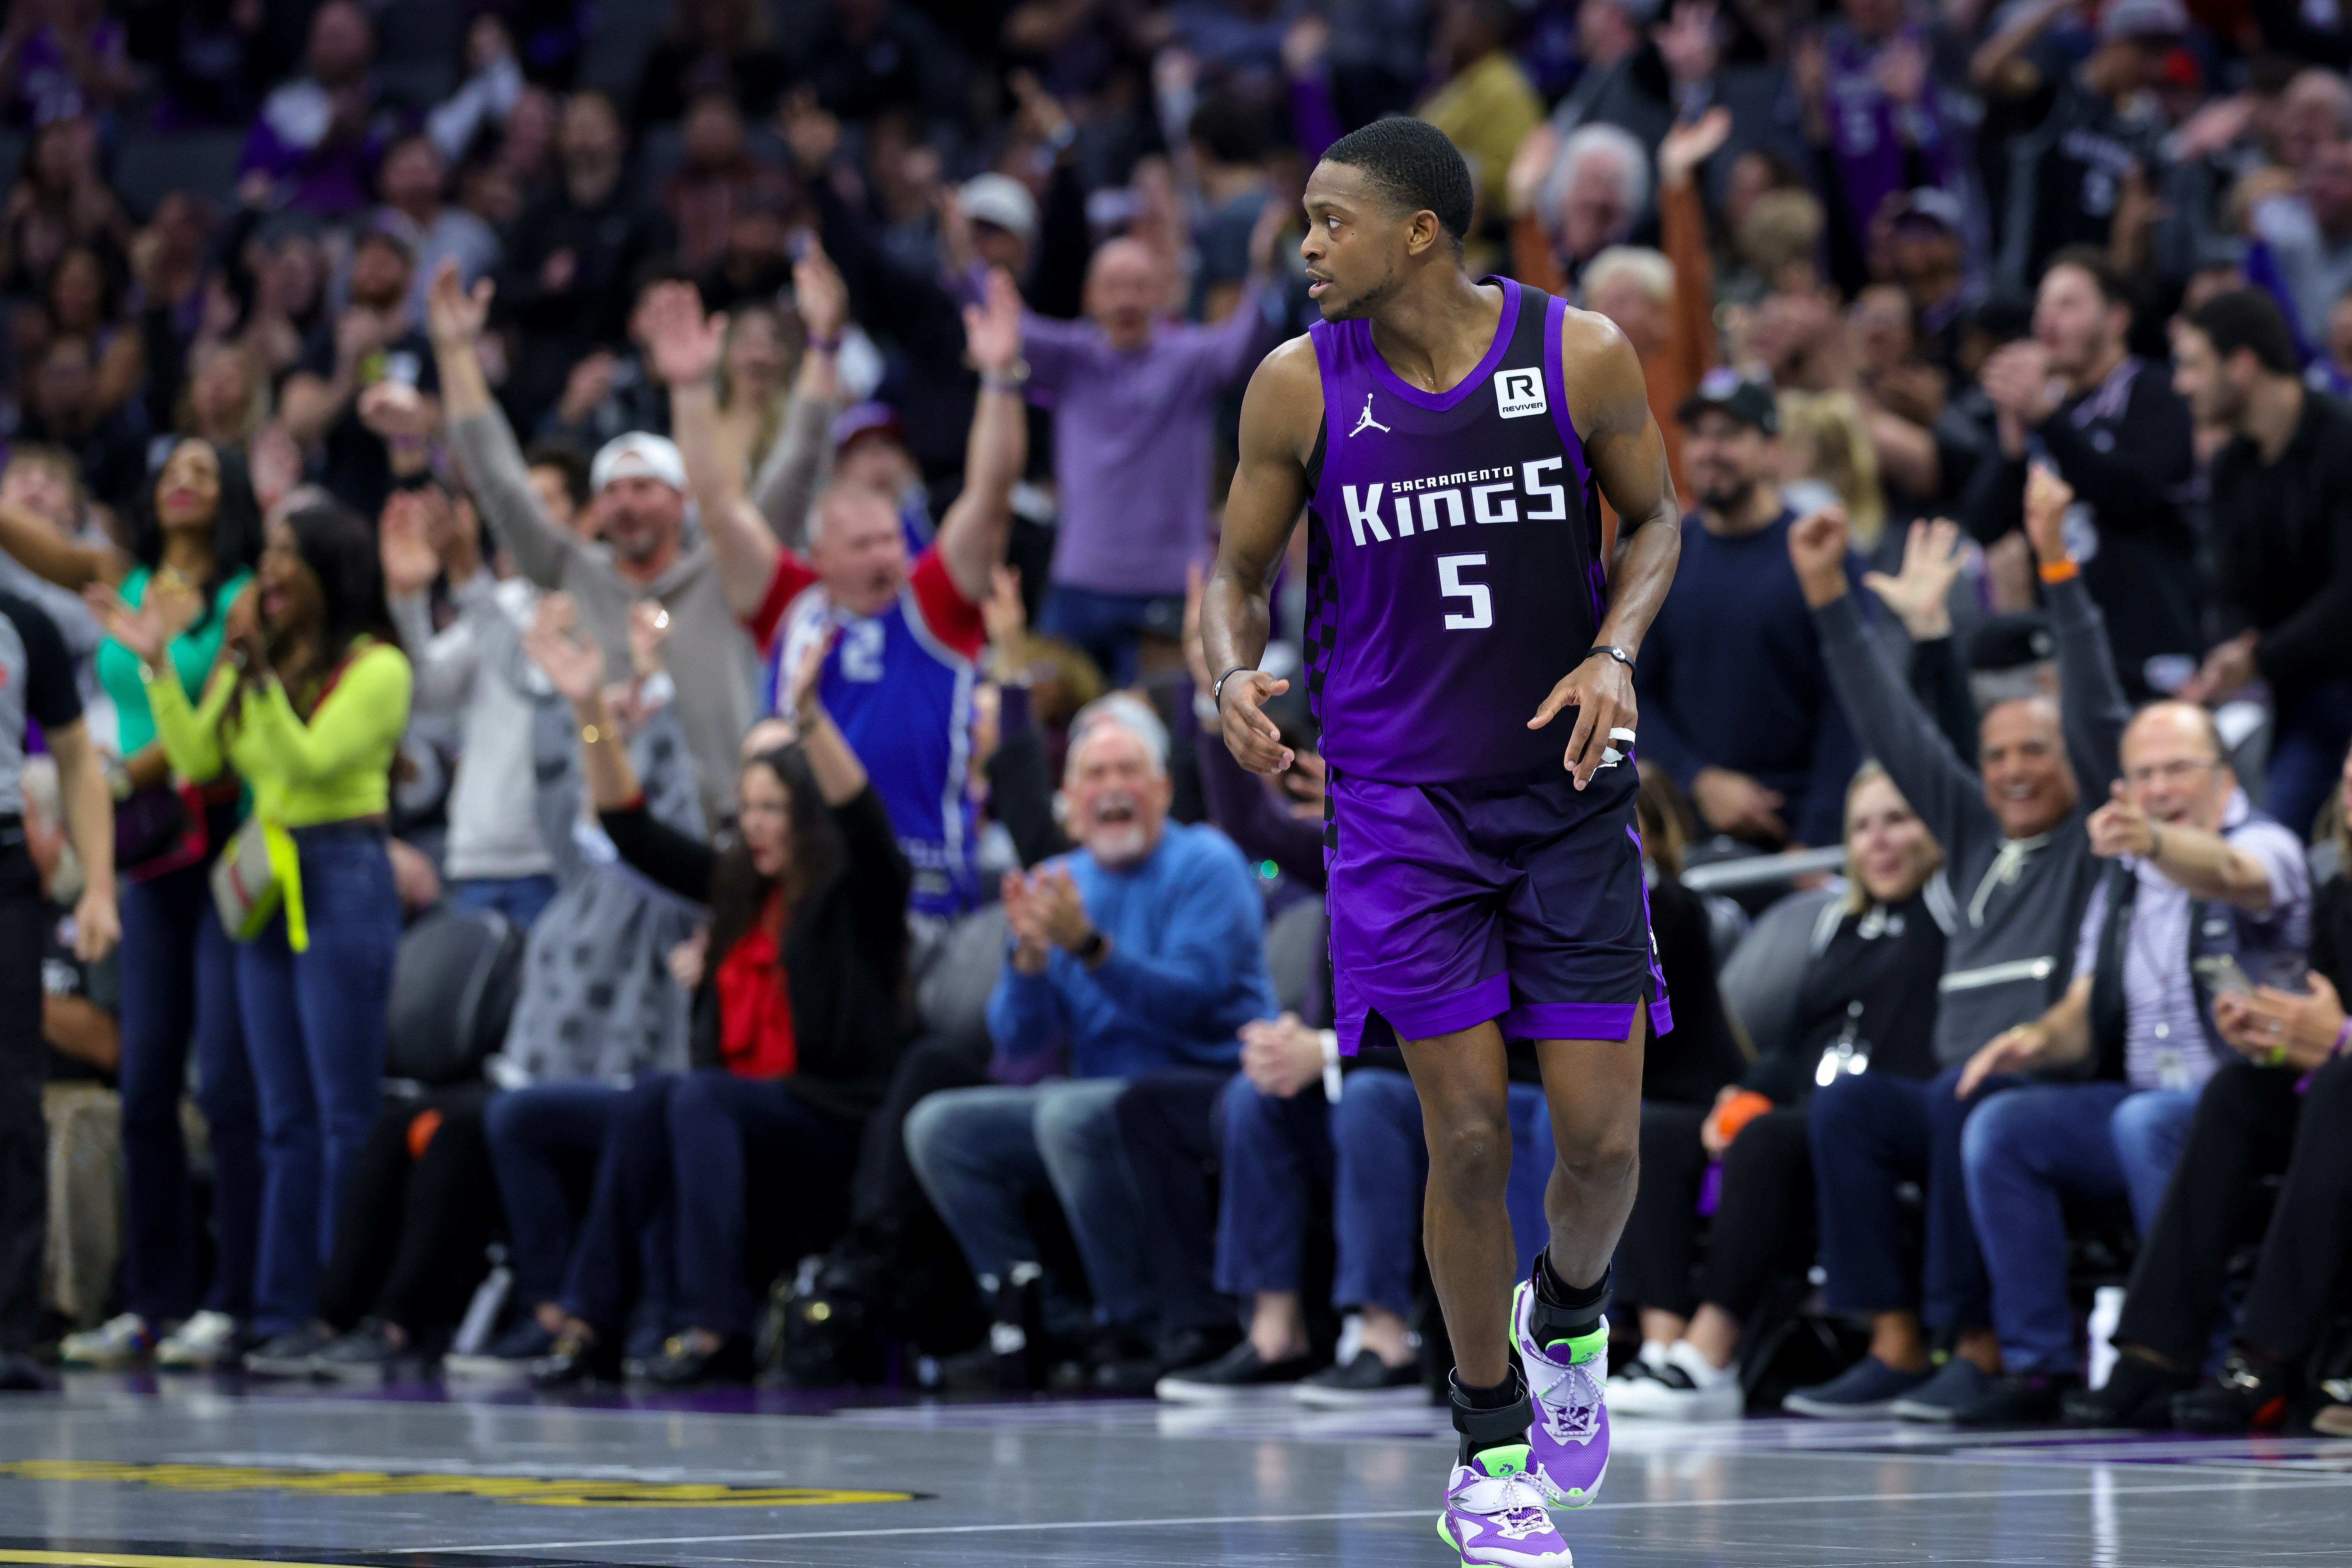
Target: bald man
{"x": 1134, "y": 398}
{"x": 2200, "y": 892}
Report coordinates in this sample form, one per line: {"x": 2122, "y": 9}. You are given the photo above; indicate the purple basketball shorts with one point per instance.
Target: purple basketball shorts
{"x": 1513, "y": 898}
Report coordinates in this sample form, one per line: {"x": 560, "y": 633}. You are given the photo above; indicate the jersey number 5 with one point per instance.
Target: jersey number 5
{"x": 1480, "y": 614}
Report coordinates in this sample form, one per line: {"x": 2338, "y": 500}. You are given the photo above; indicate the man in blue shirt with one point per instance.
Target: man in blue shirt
{"x": 1736, "y": 703}
{"x": 1145, "y": 949}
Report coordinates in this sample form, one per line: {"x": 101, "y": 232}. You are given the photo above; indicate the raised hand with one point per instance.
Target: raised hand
{"x": 576, "y": 670}
{"x": 1901, "y": 71}
{"x": 1933, "y": 554}
{"x": 1690, "y": 143}
{"x": 1530, "y": 166}
{"x": 803, "y": 695}
{"x": 2047, "y": 497}
{"x": 992, "y": 329}
{"x": 404, "y": 546}
{"x": 2121, "y": 828}
{"x": 143, "y": 631}
{"x": 1305, "y": 45}
{"x": 649, "y": 630}
{"x": 453, "y": 313}
{"x": 819, "y": 293}
{"x": 1265, "y": 236}
{"x": 1817, "y": 548}
{"x": 1002, "y": 612}
{"x": 395, "y": 411}
{"x": 684, "y": 344}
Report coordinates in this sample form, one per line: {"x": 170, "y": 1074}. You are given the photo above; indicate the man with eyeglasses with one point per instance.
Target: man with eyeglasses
{"x": 2200, "y": 894}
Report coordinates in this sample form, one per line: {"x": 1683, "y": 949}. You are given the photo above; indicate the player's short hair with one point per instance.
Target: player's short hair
{"x": 2249, "y": 319}
{"x": 1122, "y": 710}
{"x": 1413, "y": 163}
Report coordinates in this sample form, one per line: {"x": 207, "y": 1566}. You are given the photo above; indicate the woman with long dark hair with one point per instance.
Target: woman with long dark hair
{"x": 307, "y": 707}
{"x": 797, "y": 1024}
{"x": 196, "y": 535}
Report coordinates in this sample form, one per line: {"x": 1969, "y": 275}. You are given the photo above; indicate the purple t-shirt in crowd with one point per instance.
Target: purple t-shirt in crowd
{"x": 1131, "y": 441}
{"x": 1866, "y": 136}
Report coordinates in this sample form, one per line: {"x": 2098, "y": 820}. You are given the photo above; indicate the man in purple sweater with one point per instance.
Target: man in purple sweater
{"x": 1133, "y": 398}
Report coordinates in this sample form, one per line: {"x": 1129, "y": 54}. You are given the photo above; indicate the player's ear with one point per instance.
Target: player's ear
{"x": 1423, "y": 233}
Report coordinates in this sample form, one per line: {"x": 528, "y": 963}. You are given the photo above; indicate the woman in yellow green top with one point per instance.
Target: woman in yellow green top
{"x": 196, "y": 534}
{"x": 307, "y": 707}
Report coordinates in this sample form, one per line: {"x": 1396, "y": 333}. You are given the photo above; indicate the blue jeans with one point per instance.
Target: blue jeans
{"x": 519, "y": 898}
{"x": 179, "y": 981}
{"x": 979, "y": 1150}
{"x": 317, "y": 1023}
{"x": 2026, "y": 1150}
{"x": 1870, "y": 1133}
{"x": 1107, "y": 625}
{"x": 1382, "y": 1166}
{"x": 2307, "y": 752}
{"x": 539, "y": 1136}
{"x": 2149, "y": 1131}
{"x": 741, "y": 1146}
{"x": 1371, "y": 1149}
{"x": 624, "y": 1256}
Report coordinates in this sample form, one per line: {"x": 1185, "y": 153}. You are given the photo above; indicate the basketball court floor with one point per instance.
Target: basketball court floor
{"x": 125, "y": 1473}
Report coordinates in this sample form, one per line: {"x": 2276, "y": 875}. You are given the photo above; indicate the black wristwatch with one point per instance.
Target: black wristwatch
{"x": 1613, "y": 651}
{"x": 1090, "y": 950}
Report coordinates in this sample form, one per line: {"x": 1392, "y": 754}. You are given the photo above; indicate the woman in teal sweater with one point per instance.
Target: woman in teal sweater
{"x": 195, "y": 536}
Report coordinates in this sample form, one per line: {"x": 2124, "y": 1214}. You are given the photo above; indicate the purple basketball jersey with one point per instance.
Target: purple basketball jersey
{"x": 1453, "y": 555}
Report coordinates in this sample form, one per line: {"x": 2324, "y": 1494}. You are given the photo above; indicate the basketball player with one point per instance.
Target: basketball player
{"x": 1485, "y": 878}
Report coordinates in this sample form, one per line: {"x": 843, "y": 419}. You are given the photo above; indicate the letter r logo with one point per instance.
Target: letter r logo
{"x": 1518, "y": 392}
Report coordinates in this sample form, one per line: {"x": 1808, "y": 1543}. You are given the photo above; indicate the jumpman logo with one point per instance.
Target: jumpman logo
{"x": 1365, "y": 421}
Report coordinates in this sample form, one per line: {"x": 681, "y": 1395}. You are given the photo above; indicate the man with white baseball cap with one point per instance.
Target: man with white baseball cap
{"x": 638, "y": 483}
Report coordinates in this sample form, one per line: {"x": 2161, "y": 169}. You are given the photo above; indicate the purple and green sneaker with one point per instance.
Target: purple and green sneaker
{"x": 1494, "y": 1514}
{"x": 1570, "y": 1439}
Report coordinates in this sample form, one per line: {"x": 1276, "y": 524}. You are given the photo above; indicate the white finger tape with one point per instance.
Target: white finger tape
{"x": 1610, "y": 756}
{"x": 1624, "y": 735}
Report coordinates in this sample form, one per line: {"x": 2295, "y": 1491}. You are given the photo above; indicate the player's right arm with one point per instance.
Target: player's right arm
{"x": 1281, "y": 413}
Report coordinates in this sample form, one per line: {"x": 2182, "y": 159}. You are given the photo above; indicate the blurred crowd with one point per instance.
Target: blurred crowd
{"x": 599, "y": 611}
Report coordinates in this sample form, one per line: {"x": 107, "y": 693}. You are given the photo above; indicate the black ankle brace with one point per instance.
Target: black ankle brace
{"x": 1561, "y": 1313}
{"x": 1493, "y": 1427}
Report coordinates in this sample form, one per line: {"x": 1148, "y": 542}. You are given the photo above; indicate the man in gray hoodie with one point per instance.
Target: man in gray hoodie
{"x": 2018, "y": 859}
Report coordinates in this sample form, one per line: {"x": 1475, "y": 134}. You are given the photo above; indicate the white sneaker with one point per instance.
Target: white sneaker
{"x": 119, "y": 1342}
{"x": 1687, "y": 1388}
{"x": 204, "y": 1341}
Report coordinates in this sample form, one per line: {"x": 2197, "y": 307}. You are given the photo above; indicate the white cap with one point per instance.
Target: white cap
{"x": 639, "y": 455}
{"x": 1002, "y": 200}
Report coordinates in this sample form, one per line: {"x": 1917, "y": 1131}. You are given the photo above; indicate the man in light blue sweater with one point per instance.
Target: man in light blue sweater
{"x": 1145, "y": 949}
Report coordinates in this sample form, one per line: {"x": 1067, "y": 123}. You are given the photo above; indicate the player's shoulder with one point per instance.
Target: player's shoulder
{"x": 1589, "y": 335}
{"x": 1601, "y": 373}
{"x": 1291, "y": 367}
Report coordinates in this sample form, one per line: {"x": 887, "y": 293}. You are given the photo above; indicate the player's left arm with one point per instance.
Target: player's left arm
{"x": 974, "y": 533}
{"x": 1622, "y": 445}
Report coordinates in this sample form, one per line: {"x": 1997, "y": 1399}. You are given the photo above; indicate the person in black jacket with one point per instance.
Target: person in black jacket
{"x": 2282, "y": 537}
{"x": 797, "y": 1022}
{"x": 2075, "y": 396}
{"x": 1868, "y": 1002}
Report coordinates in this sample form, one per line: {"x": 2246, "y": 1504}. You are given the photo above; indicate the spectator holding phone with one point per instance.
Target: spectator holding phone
{"x": 2277, "y": 1109}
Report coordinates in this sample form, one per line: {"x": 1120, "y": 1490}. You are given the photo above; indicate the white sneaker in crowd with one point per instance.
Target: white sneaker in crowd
{"x": 119, "y": 1342}
{"x": 1683, "y": 1386}
{"x": 205, "y": 1342}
